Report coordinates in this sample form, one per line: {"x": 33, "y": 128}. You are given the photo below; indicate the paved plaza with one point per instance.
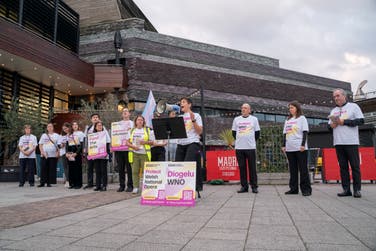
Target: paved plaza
{"x": 221, "y": 220}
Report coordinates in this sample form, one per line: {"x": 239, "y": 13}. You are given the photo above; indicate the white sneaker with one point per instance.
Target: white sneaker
{"x": 135, "y": 190}
{"x": 66, "y": 184}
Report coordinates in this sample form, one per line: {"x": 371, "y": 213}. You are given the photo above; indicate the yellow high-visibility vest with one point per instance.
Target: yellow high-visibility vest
{"x": 147, "y": 147}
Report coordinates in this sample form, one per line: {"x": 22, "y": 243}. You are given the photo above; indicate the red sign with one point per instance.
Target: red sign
{"x": 222, "y": 165}
{"x": 330, "y": 166}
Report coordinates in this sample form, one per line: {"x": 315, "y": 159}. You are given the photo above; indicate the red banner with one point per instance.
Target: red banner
{"x": 222, "y": 165}
{"x": 330, "y": 165}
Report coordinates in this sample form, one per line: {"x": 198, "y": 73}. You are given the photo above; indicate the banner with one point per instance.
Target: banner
{"x": 97, "y": 145}
{"x": 119, "y": 134}
{"x": 169, "y": 183}
{"x": 149, "y": 110}
{"x": 222, "y": 165}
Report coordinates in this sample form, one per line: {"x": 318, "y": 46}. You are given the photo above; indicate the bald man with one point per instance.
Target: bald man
{"x": 344, "y": 120}
{"x": 246, "y": 131}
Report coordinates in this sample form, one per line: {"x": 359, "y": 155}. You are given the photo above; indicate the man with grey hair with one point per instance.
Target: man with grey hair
{"x": 344, "y": 120}
{"x": 246, "y": 131}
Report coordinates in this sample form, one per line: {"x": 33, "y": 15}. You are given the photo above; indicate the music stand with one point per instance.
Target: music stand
{"x": 169, "y": 128}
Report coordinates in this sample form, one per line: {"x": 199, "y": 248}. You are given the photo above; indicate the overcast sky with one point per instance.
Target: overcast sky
{"x": 329, "y": 38}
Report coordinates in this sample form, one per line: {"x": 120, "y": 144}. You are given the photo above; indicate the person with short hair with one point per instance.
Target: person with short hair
{"x": 189, "y": 149}
{"x": 27, "y": 145}
{"x": 246, "y": 131}
{"x": 49, "y": 152}
{"x": 344, "y": 120}
{"x": 122, "y": 156}
{"x": 295, "y": 146}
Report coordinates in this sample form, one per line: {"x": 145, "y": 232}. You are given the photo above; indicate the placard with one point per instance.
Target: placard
{"x": 169, "y": 183}
{"x": 97, "y": 145}
{"x": 119, "y": 134}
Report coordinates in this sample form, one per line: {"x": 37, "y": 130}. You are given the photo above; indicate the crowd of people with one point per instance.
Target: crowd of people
{"x": 141, "y": 146}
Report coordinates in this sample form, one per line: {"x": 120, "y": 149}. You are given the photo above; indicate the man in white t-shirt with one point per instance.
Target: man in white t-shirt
{"x": 246, "y": 131}
{"x": 344, "y": 120}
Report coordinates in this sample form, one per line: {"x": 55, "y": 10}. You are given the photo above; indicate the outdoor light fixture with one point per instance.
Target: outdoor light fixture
{"x": 118, "y": 41}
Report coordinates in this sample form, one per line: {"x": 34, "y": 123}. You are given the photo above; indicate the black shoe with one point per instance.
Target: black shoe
{"x": 96, "y": 189}
{"x": 254, "y": 190}
{"x": 306, "y": 193}
{"x": 77, "y": 187}
{"x": 291, "y": 192}
{"x": 121, "y": 189}
{"x": 88, "y": 186}
{"x": 21, "y": 185}
{"x": 48, "y": 185}
{"x": 71, "y": 187}
{"x": 129, "y": 189}
{"x": 103, "y": 189}
{"x": 32, "y": 184}
{"x": 344, "y": 193}
{"x": 243, "y": 190}
{"x": 40, "y": 185}
{"x": 357, "y": 194}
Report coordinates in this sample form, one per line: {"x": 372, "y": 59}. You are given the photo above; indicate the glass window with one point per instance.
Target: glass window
{"x": 310, "y": 121}
{"x": 270, "y": 117}
{"x": 280, "y": 118}
{"x": 259, "y": 116}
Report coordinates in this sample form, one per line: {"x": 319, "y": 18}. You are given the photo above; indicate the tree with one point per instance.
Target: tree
{"x": 19, "y": 114}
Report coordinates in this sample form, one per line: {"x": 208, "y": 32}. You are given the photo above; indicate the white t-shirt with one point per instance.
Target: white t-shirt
{"x": 27, "y": 141}
{"x": 245, "y": 131}
{"x": 62, "y": 140}
{"x": 192, "y": 136}
{"x": 80, "y": 136}
{"x": 294, "y": 128}
{"x": 49, "y": 147}
{"x": 139, "y": 135}
{"x": 346, "y": 135}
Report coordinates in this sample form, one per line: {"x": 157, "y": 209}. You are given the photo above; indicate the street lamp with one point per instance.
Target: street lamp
{"x": 118, "y": 41}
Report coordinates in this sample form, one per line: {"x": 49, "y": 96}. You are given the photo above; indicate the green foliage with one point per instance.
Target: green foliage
{"x": 226, "y": 136}
{"x": 270, "y": 158}
{"x": 106, "y": 108}
{"x": 19, "y": 114}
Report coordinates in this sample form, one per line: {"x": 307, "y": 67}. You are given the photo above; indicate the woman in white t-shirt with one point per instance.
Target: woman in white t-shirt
{"x": 49, "y": 151}
{"x": 295, "y": 146}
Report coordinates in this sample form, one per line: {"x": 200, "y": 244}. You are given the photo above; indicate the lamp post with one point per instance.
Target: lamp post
{"x": 118, "y": 41}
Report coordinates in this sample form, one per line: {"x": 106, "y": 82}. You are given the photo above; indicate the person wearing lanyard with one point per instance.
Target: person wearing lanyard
{"x": 188, "y": 149}
{"x": 27, "y": 145}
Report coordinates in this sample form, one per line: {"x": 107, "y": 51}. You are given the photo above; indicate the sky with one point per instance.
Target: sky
{"x": 334, "y": 39}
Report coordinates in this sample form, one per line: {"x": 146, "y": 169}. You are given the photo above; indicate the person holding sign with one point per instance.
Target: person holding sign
{"x": 73, "y": 149}
{"x": 119, "y": 137}
{"x": 49, "y": 152}
{"x": 27, "y": 145}
{"x": 99, "y": 149}
{"x": 188, "y": 149}
{"x": 246, "y": 131}
{"x": 295, "y": 146}
{"x": 344, "y": 120}
{"x": 140, "y": 140}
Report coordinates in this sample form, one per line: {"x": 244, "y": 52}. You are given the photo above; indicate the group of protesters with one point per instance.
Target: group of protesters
{"x": 71, "y": 147}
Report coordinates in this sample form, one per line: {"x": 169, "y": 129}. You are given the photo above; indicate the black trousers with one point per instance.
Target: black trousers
{"x": 191, "y": 152}
{"x": 158, "y": 153}
{"x": 90, "y": 172}
{"x": 245, "y": 157}
{"x": 124, "y": 165}
{"x": 100, "y": 172}
{"x": 349, "y": 154}
{"x": 75, "y": 171}
{"x": 48, "y": 170}
{"x": 28, "y": 163}
{"x": 298, "y": 164}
